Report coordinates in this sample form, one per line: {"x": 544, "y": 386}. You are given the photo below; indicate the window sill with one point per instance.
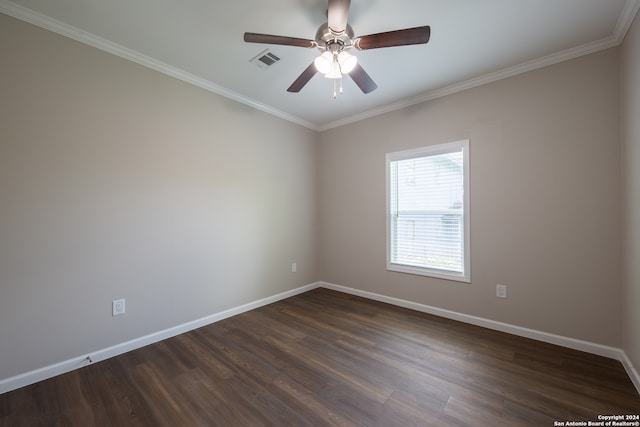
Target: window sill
{"x": 438, "y": 274}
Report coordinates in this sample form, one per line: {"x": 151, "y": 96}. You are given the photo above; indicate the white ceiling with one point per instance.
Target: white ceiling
{"x": 472, "y": 42}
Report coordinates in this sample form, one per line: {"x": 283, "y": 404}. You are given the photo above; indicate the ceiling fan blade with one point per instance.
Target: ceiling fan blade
{"x": 338, "y": 15}
{"x": 417, "y": 35}
{"x": 303, "y": 78}
{"x": 271, "y": 39}
{"x": 362, "y": 79}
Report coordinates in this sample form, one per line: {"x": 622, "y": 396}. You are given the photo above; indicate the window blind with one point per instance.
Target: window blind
{"x": 427, "y": 210}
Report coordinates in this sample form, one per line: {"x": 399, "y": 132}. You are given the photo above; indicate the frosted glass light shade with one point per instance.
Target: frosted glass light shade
{"x": 347, "y": 62}
{"x": 323, "y": 62}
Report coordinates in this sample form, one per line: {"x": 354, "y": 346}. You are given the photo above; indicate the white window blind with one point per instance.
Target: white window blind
{"x": 428, "y": 211}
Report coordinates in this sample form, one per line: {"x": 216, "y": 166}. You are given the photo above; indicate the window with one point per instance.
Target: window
{"x": 428, "y": 211}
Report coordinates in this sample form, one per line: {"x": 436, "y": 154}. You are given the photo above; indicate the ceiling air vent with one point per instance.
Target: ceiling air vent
{"x": 265, "y": 59}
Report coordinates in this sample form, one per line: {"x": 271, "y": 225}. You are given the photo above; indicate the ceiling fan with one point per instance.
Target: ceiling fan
{"x": 334, "y": 39}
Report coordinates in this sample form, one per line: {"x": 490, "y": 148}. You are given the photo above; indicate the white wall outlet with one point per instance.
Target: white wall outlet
{"x": 294, "y": 267}
{"x": 501, "y": 291}
{"x": 118, "y": 307}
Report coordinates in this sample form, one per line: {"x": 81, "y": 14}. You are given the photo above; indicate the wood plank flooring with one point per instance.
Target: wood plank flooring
{"x": 325, "y": 358}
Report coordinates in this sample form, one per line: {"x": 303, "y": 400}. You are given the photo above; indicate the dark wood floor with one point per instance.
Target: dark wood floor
{"x": 327, "y": 358}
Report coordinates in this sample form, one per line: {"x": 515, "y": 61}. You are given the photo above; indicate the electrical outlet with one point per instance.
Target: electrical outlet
{"x": 501, "y": 291}
{"x": 118, "y": 307}
{"x": 294, "y": 267}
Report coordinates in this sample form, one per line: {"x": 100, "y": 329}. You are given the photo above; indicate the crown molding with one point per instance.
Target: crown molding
{"x": 535, "y": 64}
{"x": 627, "y": 16}
{"x": 58, "y": 27}
{"x": 625, "y": 20}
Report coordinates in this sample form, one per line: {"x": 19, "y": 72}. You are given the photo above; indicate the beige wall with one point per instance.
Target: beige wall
{"x": 120, "y": 182}
{"x": 545, "y": 199}
{"x": 630, "y": 90}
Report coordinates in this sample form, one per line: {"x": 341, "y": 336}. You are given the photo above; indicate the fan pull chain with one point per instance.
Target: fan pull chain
{"x": 335, "y": 92}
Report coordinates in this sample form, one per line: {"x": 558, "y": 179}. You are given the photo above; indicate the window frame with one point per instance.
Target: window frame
{"x": 427, "y": 151}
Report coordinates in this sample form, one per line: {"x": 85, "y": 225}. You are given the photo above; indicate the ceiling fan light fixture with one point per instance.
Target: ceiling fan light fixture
{"x": 347, "y": 62}
{"x": 323, "y": 62}
{"x": 333, "y": 38}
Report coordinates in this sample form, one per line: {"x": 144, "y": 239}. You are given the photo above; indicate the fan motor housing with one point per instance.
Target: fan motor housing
{"x": 326, "y": 38}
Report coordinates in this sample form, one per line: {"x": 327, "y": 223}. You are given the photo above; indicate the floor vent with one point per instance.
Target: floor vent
{"x": 265, "y": 59}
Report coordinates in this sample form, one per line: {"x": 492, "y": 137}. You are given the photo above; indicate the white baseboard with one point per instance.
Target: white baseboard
{"x": 631, "y": 370}
{"x": 46, "y": 372}
{"x": 589, "y": 347}
{"x": 51, "y": 371}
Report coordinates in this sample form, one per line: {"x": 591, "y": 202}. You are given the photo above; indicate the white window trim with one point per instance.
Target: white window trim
{"x": 430, "y": 151}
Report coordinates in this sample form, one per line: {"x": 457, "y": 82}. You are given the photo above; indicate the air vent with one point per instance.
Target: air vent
{"x": 265, "y": 59}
